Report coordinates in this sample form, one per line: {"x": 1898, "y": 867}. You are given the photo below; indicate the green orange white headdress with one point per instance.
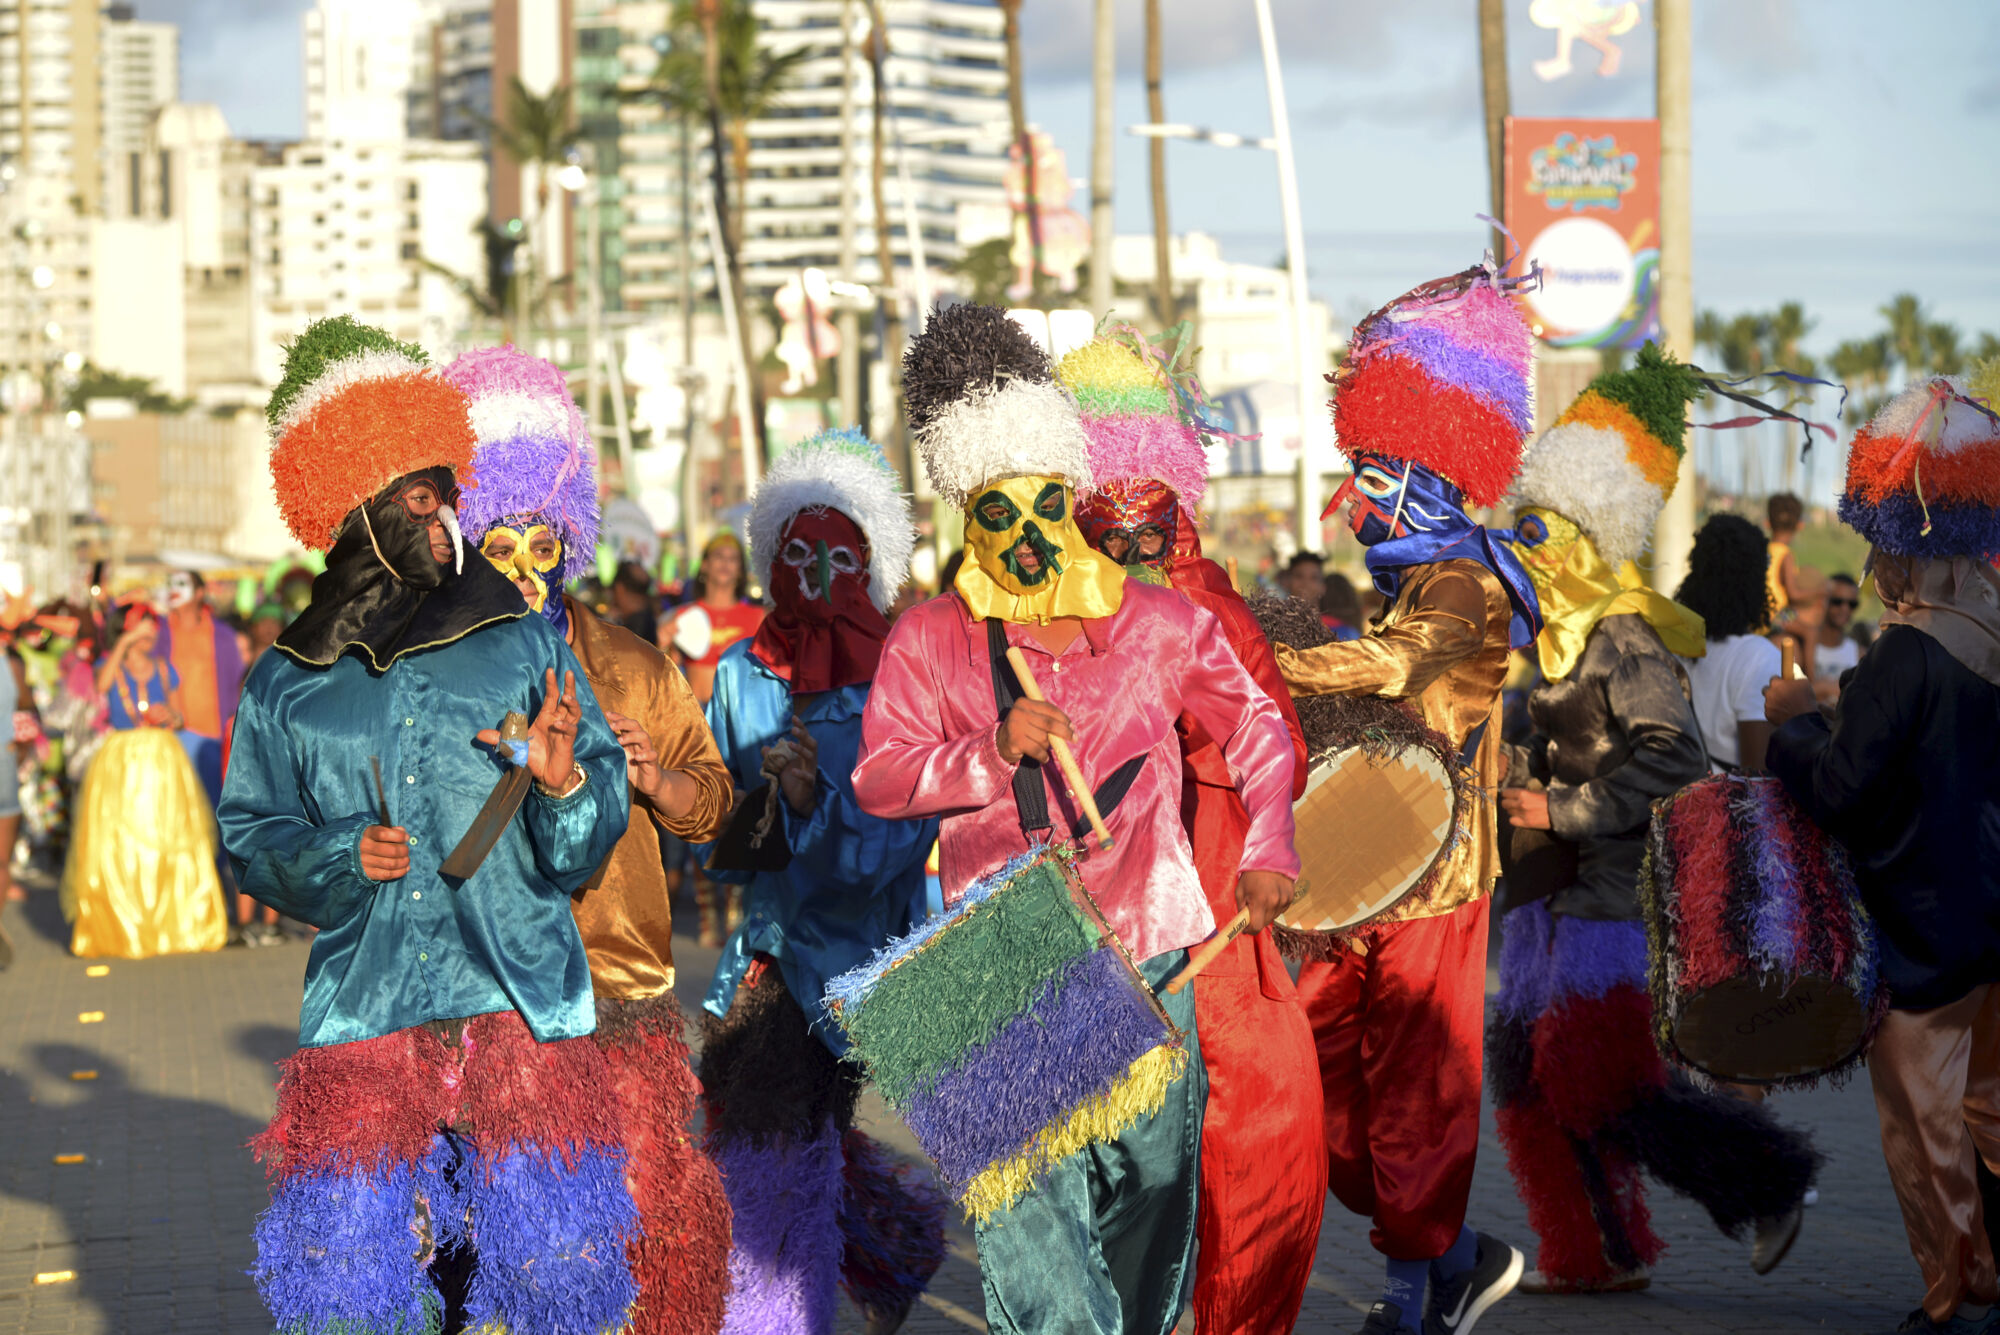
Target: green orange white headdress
{"x": 355, "y": 410}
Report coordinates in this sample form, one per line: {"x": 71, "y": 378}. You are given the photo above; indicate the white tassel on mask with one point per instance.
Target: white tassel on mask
{"x": 449, "y": 517}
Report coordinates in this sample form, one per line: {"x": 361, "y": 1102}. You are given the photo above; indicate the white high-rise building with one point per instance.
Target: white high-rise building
{"x": 360, "y": 58}
{"x": 947, "y": 134}
{"x": 141, "y": 73}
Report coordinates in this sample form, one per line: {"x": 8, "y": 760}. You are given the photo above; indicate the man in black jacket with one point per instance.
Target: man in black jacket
{"x": 1907, "y": 780}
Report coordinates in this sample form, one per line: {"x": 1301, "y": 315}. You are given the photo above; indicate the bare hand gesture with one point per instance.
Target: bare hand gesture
{"x": 794, "y": 763}
{"x": 385, "y": 852}
{"x": 1526, "y": 808}
{"x": 1027, "y": 728}
{"x": 552, "y": 736}
{"x": 642, "y": 766}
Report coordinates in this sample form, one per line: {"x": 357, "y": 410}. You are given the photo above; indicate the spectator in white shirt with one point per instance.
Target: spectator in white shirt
{"x": 1727, "y": 584}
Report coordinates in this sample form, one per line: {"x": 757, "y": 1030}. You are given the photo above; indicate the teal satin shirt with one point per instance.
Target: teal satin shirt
{"x": 394, "y": 954}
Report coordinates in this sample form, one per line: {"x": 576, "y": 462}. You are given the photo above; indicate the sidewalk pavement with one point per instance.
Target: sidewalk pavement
{"x": 153, "y": 1226}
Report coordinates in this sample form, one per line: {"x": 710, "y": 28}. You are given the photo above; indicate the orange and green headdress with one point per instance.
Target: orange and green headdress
{"x": 1923, "y": 477}
{"x": 355, "y": 410}
{"x": 1611, "y": 460}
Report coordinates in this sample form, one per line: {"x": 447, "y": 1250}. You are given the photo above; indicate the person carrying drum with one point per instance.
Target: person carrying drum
{"x": 1105, "y": 1241}
{"x": 1263, "y": 1156}
{"x": 1431, "y": 407}
{"x": 1906, "y": 780}
{"x": 1584, "y": 1099}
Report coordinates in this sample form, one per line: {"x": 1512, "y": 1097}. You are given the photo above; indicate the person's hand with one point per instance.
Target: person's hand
{"x": 385, "y": 852}
{"x": 1264, "y": 894}
{"x": 1526, "y": 808}
{"x": 552, "y": 736}
{"x": 1027, "y": 729}
{"x": 642, "y": 766}
{"x": 795, "y": 767}
{"x": 1786, "y": 700}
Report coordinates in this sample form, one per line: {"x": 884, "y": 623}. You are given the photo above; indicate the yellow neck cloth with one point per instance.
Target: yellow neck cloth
{"x": 1027, "y": 561}
{"x": 1578, "y": 588}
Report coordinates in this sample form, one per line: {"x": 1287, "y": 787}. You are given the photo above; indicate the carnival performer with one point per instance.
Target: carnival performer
{"x": 1105, "y": 1242}
{"x": 209, "y": 662}
{"x": 1906, "y": 780}
{"x": 1431, "y": 410}
{"x": 141, "y": 879}
{"x": 448, "y": 1148}
{"x": 1263, "y": 1153}
{"x": 818, "y": 1205}
{"x": 1584, "y": 1099}
{"x": 534, "y": 515}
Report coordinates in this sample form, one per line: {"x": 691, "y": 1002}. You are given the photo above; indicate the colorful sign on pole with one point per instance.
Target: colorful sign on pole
{"x": 1583, "y": 198}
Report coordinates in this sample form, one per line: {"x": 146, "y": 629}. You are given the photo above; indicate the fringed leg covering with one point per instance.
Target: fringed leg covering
{"x": 1733, "y": 1158}
{"x": 784, "y": 1260}
{"x": 891, "y": 1226}
{"x": 550, "y": 1211}
{"x": 681, "y": 1257}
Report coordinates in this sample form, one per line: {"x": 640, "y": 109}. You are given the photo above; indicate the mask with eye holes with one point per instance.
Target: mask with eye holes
{"x": 1026, "y": 559}
{"x": 823, "y": 631}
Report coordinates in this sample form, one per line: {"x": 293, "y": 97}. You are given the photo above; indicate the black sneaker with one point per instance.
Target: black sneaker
{"x": 1456, "y": 1304}
{"x": 1385, "y": 1318}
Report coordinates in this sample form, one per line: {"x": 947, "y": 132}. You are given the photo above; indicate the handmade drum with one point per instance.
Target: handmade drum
{"x": 1762, "y": 960}
{"x": 1010, "y": 1031}
{"x": 1381, "y": 807}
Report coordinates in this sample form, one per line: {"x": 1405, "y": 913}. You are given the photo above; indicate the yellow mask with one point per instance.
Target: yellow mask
{"x": 528, "y": 554}
{"x": 1577, "y": 588}
{"x": 1027, "y": 561}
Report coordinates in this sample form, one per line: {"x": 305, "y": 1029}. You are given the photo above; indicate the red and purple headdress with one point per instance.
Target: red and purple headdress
{"x": 1443, "y": 377}
{"x": 535, "y": 458}
{"x": 1923, "y": 478}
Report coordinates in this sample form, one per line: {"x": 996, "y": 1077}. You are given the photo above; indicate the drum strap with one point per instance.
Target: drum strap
{"x": 1031, "y": 792}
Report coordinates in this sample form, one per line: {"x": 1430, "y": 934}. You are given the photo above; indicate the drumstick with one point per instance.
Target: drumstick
{"x": 1788, "y": 657}
{"x": 381, "y": 797}
{"x": 1205, "y": 953}
{"x": 1232, "y": 576}
{"x": 1065, "y": 758}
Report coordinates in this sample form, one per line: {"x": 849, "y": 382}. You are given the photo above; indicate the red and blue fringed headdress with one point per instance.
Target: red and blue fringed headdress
{"x": 1443, "y": 376}
{"x": 535, "y": 458}
{"x": 1923, "y": 478}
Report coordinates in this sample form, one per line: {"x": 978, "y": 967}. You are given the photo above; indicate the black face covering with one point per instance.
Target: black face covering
{"x": 384, "y": 595}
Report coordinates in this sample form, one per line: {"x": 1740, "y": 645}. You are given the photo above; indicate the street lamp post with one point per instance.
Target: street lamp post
{"x": 578, "y": 179}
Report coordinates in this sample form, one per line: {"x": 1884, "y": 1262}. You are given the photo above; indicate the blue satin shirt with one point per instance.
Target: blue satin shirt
{"x": 394, "y": 954}
{"x": 855, "y": 880}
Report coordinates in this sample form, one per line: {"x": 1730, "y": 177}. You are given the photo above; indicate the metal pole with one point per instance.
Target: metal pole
{"x": 593, "y": 407}
{"x": 1311, "y": 466}
{"x": 745, "y": 430}
{"x": 691, "y": 523}
{"x": 1104, "y": 74}
{"x": 847, "y": 369}
{"x": 1673, "y": 534}
{"x": 920, "y": 268}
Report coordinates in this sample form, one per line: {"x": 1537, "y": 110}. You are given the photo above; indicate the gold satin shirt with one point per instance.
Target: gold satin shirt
{"x": 622, "y": 911}
{"x": 1443, "y": 643}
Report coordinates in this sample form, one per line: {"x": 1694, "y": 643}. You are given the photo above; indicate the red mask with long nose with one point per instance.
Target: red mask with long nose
{"x": 823, "y": 631}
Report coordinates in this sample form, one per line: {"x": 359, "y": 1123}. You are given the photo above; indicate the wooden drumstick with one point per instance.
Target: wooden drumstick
{"x": 1205, "y": 953}
{"x": 1065, "y": 758}
{"x": 1788, "y": 658}
{"x": 1233, "y": 582}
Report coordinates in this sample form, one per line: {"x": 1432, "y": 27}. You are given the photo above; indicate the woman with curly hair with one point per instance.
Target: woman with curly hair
{"x": 1726, "y": 584}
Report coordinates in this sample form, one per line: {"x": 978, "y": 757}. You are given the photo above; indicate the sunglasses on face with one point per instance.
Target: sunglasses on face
{"x": 1843, "y": 602}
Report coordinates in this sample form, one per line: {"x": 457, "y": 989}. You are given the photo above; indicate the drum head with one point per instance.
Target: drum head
{"x": 1366, "y": 831}
{"x": 1753, "y": 1030}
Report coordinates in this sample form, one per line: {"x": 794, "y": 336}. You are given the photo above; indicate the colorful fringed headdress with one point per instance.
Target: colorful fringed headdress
{"x": 1144, "y": 413}
{"x": 355, "y": 410}
{"x": 1923, "y": 478}
{"x": 842, "y": 470}
{"x": 535, "y": 457}
{"x": 982, "y": 405}
{"x": 1443, "y": 377}
{"x": 1612, "y": 459}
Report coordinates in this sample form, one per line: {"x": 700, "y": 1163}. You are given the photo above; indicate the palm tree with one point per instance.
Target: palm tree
{"x": 1017, "y": 120}
{"x": 1905, "y": 316}
{"x": 537, "y": 133}
{"x": 1863, "y": 365}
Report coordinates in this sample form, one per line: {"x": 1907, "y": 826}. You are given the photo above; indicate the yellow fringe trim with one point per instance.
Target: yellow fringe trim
{"x": 1140, "y": 1093}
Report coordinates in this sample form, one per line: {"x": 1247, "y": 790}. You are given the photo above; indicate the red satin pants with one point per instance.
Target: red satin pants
{"x": 1399, "y": 1034}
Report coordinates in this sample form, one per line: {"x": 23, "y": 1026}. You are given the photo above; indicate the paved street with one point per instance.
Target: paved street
{"x": 154, "y": 1224}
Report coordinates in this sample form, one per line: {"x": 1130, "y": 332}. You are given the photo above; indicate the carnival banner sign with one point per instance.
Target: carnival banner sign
{"x": 1583, "y": 198}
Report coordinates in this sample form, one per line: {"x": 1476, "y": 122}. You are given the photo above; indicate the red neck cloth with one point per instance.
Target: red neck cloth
{"x": 823, "y": 632}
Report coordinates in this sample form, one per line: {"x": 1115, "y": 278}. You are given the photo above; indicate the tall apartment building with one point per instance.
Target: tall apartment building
{"x": 140, "y": 74}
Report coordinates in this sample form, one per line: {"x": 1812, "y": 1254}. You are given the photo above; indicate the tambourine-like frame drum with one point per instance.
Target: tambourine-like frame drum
{"x": 1368, "y": 829}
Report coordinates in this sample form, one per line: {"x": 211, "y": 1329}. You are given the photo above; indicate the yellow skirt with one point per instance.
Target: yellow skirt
{"x": 141, "y": 878}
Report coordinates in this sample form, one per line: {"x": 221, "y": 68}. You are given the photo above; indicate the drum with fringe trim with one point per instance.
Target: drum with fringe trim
{"x": 1010, "y": 1031}
{"x": 1762, "y": 959}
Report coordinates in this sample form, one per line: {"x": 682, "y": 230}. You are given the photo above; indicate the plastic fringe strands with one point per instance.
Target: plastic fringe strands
{"x": 1737, "y": 884}
{"x": 1010, "y": 1033}
{"x": 535, "y": 457}
{"x": 1923, "y": 477}
{"x": 892, "y": 1228}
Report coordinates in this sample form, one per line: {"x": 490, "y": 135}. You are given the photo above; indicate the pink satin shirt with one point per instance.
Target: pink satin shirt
{"x": 929, "y": 748}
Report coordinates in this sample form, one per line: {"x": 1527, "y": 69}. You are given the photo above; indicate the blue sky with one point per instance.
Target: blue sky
{"x": 1840, "y": 155}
